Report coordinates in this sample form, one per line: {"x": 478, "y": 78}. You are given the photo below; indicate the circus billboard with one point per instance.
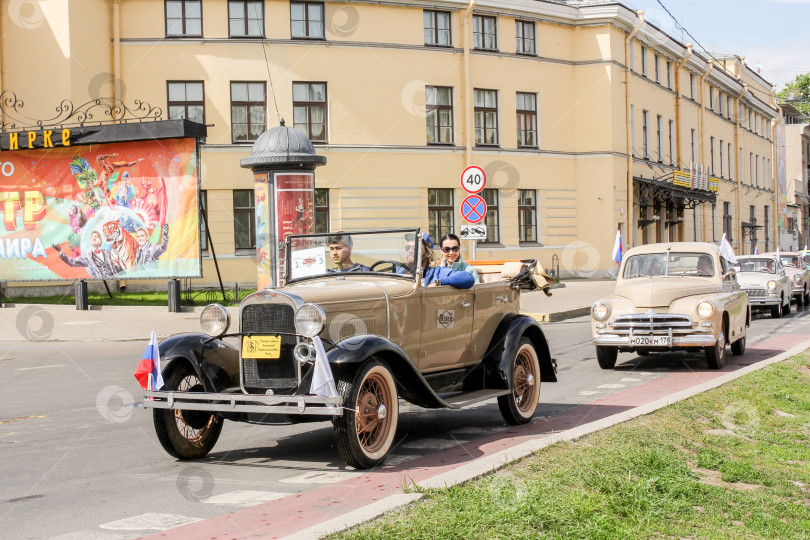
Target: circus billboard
{"x": 119, "y": 210}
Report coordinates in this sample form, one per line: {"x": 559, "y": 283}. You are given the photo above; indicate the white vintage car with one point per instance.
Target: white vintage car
{"x": 797, "y": 273}
{"x": 765, "y": 281}
{"x": 675, "y": 296}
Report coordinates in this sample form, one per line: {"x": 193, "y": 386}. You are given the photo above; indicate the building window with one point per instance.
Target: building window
{"x": 526, "y": 119}
{"x": 244, "y": 219}
{"x": 183, "y": 18}
{"x": 527, "y": 215}
{"x": 657, "y": 65}
{"x": 645, "y": 135}
{"x": 439, "y": 114}
{"x": 671, "y": 142}
{"x": 711, "y": 154}
{"x": 728, "y": 107}
{"x": 728, "y": 156}
{"x": 644, "y": 60}
{"x": 186, "y": 101}
{"x": 751, "y": 168}
{"x": 659, "y": 137}
{"x": 727, "y": 220}
{"x": 491, "y": 220}
{"x": 321, "y": 210}
{"x": 309, "y": 110}
{"x": 633, "y": 128}
{"x": 306, "y": 20}
{"x": 694, "y": 146}
{"x": 714, "y": 222}
{"x": 203, "y": 209}
{"x": 722, "y": 158}
{"x": 721, "y": 102}
{"x": 670, "y": 76}
{"x": 248, "y": 110}
{"x": 440, "y": 212}
{"x": 767, "y": 228}
{"x": 485, "y": 33}
{"x": 486, "y": 117}
{"x": 437, "y": 28}
{"x": 524, "y": 33}
{"x": 245, "y": 18}
{"x": 692, "y": 86}
{"x": 711, "y": 97}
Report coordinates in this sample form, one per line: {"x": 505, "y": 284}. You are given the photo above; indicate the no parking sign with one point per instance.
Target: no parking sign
{"x": 474, "y": 208}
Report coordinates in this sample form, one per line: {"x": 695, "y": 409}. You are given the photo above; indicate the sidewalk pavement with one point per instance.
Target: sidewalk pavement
{"x": 47, "y": 322}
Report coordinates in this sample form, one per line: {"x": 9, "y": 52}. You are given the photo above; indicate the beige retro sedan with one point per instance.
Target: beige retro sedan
{"x": 674, "y": 296}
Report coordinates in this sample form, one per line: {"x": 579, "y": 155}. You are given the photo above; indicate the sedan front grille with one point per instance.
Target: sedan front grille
{"x": 277, "y": 373}
{"x": 756, "y": 292}
{"x": 653, "y": 323}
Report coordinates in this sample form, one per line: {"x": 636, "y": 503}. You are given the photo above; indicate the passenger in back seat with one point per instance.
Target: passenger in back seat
{"x": 451, "y": 251}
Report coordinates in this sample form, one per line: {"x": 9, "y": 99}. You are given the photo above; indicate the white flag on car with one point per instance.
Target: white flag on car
{"x": 323, "y": 384}
{"x": 726, "y": 251}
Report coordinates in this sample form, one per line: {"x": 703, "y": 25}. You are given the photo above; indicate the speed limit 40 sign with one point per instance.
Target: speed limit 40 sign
{"x": 473, "y": 179}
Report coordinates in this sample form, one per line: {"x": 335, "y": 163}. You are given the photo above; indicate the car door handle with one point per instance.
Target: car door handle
{"x": 465, "y": 303}
{"x": 502, "y": 299}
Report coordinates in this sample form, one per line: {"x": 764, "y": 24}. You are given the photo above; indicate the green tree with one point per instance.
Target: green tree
{"x": 797, "y": 93}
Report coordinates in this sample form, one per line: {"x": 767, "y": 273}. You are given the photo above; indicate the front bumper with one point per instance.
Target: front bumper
{"x": 798, "y": 291}
{"x": 243, "y": 403}
{"x": 691, "y": 340}
{"x": 765, "y": 300}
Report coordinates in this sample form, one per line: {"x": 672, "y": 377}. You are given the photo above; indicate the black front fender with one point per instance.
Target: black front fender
{"x": 215, "y": 362}
{"x": 504, "y": 346}
{"x": 351, "y": 352}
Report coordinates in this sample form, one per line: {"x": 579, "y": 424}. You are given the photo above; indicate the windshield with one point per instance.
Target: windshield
{"x": 341, "y": 254}
{"x": 669, "y": 264}
{"x": 791, "y": 261}
{"x": 757, "y": 265}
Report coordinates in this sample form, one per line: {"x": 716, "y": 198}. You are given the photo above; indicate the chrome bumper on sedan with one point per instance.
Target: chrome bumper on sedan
{"x": 765, "y": 301}
{"x": 677, "y": 330}
{"x": 797, "y": 291}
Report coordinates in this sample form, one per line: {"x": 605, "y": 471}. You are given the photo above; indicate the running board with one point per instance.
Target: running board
{"x": 459, "y": 401}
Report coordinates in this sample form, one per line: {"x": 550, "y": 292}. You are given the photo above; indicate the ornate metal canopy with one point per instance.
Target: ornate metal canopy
{"x": 647, "y": 192}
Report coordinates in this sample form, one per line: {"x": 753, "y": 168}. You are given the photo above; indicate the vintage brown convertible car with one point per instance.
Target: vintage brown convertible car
{"x": 386, "y": 336}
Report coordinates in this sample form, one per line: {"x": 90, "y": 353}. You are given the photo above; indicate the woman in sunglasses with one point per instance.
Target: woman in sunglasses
{"x": 451, "y": 255}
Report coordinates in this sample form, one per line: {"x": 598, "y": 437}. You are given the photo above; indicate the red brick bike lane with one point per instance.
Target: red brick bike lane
{"x": 295, "y": 513}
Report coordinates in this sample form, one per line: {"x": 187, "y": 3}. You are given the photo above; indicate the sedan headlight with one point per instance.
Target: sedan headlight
{"x": 772, "y": 285}
{"x": 797, "y": 278}
{"x": 215, "y": 320}
{"x": 309, "y": 320}
{"x": 705, "y": 309}
{"x": 600, "y": 311}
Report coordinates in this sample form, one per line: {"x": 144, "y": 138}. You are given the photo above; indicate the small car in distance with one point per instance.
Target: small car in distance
{"x": 798, "y": 274}
{"x": 764, "y": 280}
{"x": 672, "y": 296}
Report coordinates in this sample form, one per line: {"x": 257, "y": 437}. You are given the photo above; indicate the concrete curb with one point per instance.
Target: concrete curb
{"x": 72, "y": 307}
{"x": 486, "y": 465}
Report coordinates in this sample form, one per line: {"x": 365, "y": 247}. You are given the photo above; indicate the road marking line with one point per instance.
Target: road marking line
{"x": 391, "y": 461}
{"x": 245, "y": 498}
{"x": 611, "y": 386}
{"x": 628, "y": 379}
{"x": 433, "y": 444}
{"x": 39, "y": 367}
{"x": 589, "y": 392}
{"x": 320, "y": 477}
{"x": 149, "y": 521}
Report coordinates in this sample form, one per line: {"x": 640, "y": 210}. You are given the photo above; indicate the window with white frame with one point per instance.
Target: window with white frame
{"x": 525, "y": 38}
{"x": 645, "y": 135}
{"x": 659, "y": 138}
{"x": 486, "y": 116}
{"x": 306, "y": 20}
{"x": 671, "y": 142}
{"x": 527, "y": 215}
{"x": 657, "y": 67}
{"x": 670, "y": 75}
{"x": 694, "y": 146}
{"x": 437, "y": 28}
{"x": 722, "y": 155}
{"x": 692, "y": 86}
{"x": 439, "y": 114}
{"x": 485, "y": 36}
{"x": 183, "y": 18}
{"x": 644, "y": 60}
{"x": 711, "y": 154}
{"x": 526, "y": 116}
{"x": 245, "y": 18}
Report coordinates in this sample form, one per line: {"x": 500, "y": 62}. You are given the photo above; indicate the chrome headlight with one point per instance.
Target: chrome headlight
{"x": 215, "y": 320}
{"x": 772, "y": 285}
{"x": 600, "y": 311}
{"x": 797, "y": 278}
{"x": 705, "y": 309}
{"x": 309, "y": 320}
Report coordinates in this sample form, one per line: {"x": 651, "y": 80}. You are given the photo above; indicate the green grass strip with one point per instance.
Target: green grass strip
{"x": 733, "y": 462}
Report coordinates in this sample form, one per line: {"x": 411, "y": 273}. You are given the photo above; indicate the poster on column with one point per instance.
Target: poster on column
{"x": 295, "y": 207}
{"x": 126, "y": 210}
{"x": 263, "y": 253}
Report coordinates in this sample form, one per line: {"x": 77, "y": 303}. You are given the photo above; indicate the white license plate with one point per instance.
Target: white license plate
{"x": 650, "y": 341}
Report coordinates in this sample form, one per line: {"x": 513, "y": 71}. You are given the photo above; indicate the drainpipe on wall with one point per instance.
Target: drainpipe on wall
{"x": 468, "y": 98}
{"x": 631, "y": 213}
{"x": 678, "y": 98}
{"x": 701, "y": 124}
{"x": 774, "y": 157}
{"x": 739, "y": 164}
{"x": 117, "y": 50}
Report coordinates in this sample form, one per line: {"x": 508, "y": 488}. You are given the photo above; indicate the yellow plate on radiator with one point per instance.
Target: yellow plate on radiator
{"x": 261, "y": 347}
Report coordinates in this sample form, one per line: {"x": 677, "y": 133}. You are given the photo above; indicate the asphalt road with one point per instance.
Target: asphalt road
{"x": 80, "y": 458}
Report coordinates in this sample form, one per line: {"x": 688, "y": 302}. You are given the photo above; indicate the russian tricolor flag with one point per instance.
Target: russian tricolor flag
{"x": 617, "y": 247}
{"x": 148, "y": 372}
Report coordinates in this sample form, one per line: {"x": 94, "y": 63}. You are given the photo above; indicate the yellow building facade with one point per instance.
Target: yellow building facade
{"x": 585, "y": 118}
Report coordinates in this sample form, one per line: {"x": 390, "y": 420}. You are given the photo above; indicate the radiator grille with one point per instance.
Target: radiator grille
{"x": 755, "y": 292}
{"x": 655, "y": 323}
{"x": 277, "y": 373}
